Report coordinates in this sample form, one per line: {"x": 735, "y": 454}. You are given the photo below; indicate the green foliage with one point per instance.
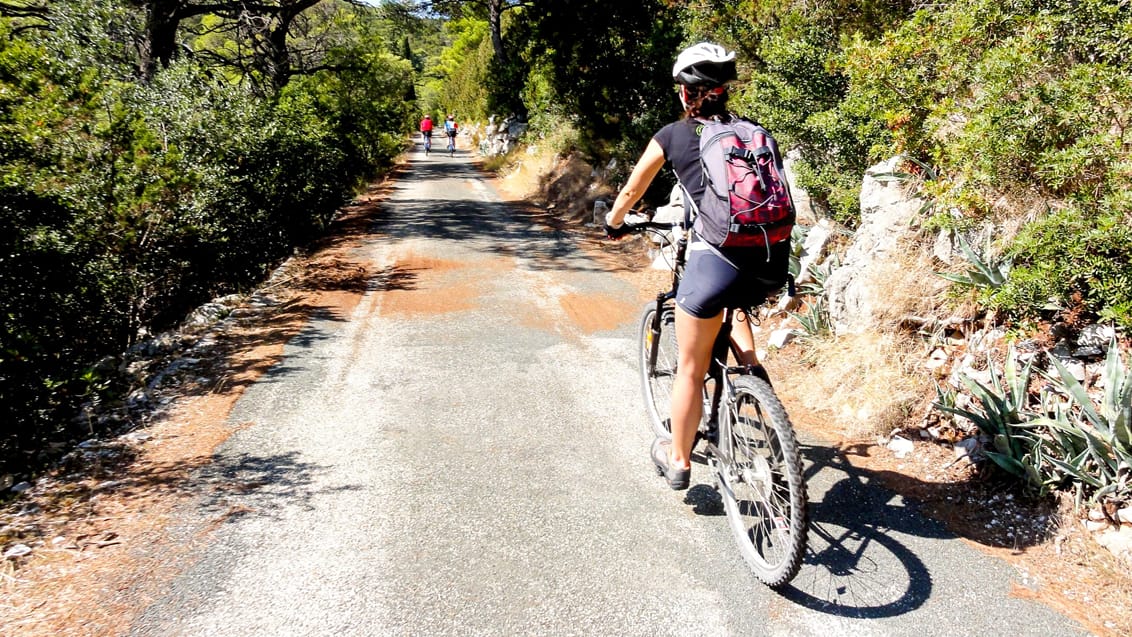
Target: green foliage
{"x": 126, "y": 204}
{"x": 1002, "y": 416}
{"x": 815, "y": 319}
{"x": 1026, "y": 99}
{"x": 1085, "y": 443}
{"x": 460, "y": 73}
{"x": 1069, "y": 258}
{"x": 983, "y": 275}
{"x": 609, "y": 76}
{"x": 1063, "y": 439}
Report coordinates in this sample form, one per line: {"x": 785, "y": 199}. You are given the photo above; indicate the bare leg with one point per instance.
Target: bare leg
{"x": 695, "y": 337}
{"x": 743, "y": 339}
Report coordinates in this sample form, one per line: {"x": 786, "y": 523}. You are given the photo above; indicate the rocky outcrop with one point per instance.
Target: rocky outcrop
{"x": 499, "y": 139}
{"x": 854, "y": 295}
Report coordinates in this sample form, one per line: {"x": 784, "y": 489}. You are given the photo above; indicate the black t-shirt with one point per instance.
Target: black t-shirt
{"x": 681, "y": 143}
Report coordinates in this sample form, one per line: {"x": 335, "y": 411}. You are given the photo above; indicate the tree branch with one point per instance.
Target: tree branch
{"x": 22, "y": 10}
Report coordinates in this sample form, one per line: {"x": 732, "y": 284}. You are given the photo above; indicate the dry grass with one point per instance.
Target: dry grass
{"x": 542, "y": 175}
{"x": 863, "y": 383}
{"x": 909, "y": 285}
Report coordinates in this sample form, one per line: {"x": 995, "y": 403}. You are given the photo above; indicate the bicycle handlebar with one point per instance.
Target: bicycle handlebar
{"x": 651, "y": 225}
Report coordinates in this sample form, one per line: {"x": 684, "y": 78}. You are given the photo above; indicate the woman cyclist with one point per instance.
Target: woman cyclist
{"x": 714, "y": 278}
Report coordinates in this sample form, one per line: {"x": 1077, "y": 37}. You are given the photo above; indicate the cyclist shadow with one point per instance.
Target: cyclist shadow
{"x": 854, "y": 565}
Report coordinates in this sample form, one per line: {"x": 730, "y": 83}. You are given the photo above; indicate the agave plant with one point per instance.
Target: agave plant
{"x": 1003, "y": 418}
{"x": 1089, "y": 443}
{"x": 797, "y": 244}
{"x": 983, "y": 275}
{"x": 819, "y": 274}
{"x": 815, "y": 319}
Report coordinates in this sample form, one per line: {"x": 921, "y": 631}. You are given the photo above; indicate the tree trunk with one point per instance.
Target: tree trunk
{"x": 160, "y": 40}
{"x": 495, "y": 22}
{"x": 277, "y": 59}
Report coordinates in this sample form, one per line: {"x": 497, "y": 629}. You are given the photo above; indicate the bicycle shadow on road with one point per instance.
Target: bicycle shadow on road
{"x": 854, "y": 566}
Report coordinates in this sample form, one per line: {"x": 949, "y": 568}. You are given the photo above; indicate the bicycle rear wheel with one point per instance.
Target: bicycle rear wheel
{"x": 659, "y": 372}
{"x": 761, "y": 482}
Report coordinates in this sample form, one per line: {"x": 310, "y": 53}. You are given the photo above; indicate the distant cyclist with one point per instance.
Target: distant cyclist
{"x": 450, "y": 129}
{"x": 426, "y": 133}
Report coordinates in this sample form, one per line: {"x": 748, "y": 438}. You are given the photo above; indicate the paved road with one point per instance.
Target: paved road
{"x": 465, "y": 454}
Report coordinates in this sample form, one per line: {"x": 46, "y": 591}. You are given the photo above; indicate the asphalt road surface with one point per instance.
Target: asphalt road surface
{"x": 466, "y": 454}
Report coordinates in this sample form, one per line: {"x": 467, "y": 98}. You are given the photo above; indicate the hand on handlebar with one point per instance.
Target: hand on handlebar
{"x": 615, "y": 232}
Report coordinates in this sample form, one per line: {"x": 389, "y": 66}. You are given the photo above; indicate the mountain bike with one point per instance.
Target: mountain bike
{"x": 452, "y": 144}
{"x": 744, "y": 433}
{"x": 427, "y": 143}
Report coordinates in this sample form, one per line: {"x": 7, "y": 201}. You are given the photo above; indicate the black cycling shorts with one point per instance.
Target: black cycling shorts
{"x": 718, "y": 278}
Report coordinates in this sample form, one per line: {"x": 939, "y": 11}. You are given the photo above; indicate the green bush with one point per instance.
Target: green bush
{"x": 127, "y": 204}
{"x": 1071, "y": 259}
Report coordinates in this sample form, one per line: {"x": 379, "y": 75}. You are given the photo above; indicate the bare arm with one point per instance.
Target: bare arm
{"x": 646, "y": 169}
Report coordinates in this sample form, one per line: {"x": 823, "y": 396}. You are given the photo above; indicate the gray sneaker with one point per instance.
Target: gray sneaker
{"x": 677, "y": 477}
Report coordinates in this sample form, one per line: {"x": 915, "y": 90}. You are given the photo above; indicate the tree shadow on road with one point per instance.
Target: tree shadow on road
{"x": 261, "y": 485}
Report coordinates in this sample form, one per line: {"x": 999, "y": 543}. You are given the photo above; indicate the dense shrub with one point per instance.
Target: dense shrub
{"x": 459, "y": 75}
{"x": 1024, "y": 102}
{"x": 129, "y": 203}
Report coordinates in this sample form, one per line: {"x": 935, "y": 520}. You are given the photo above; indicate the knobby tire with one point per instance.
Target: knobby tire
{"x": 657, "y": 379}
{"x": 761, "y": 482}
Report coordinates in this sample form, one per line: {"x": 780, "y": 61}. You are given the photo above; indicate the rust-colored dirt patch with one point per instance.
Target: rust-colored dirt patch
{"x": 430, "y": 286}
{"x": 596, "y": 312}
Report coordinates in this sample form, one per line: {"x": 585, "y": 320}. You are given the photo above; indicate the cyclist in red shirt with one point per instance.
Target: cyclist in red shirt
{"x": 426, "y": 133}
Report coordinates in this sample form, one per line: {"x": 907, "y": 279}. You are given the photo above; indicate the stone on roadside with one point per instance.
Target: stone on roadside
{"x": 780, "y": 338}
{"x": 813, "y": 248}
{"x": 937, "y": 359}
{"x": 1118, "y": 542}
{"x": 966, "y": 448}
{"x": 900, "y": 447}
{"x": 1098, "y": 336}
{"x": 1088, "y": 351}
{"x": 18, "y": 550}
{"x": 1093, "y": 526}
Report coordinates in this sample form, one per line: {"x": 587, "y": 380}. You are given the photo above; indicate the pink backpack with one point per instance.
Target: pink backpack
{"x": 746, "y": 200}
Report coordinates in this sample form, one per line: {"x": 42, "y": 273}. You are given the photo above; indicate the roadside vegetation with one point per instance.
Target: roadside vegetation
{"x": 157, "y": 153}
{"x": 147, "y": 166}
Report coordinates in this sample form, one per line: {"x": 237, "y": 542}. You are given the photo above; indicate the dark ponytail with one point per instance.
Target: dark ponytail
{"x": 706, "y": 101}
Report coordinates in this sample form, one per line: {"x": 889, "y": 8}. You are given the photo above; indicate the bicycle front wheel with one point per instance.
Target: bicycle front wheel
{"x": 658, "y": 359}
{"x": 761, "y": 482}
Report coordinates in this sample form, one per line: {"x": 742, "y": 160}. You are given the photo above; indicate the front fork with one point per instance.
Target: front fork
{"x": 654, "y": 329}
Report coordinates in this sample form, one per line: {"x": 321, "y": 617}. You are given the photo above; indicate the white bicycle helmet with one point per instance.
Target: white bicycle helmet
{"x": 704, "y": 63}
